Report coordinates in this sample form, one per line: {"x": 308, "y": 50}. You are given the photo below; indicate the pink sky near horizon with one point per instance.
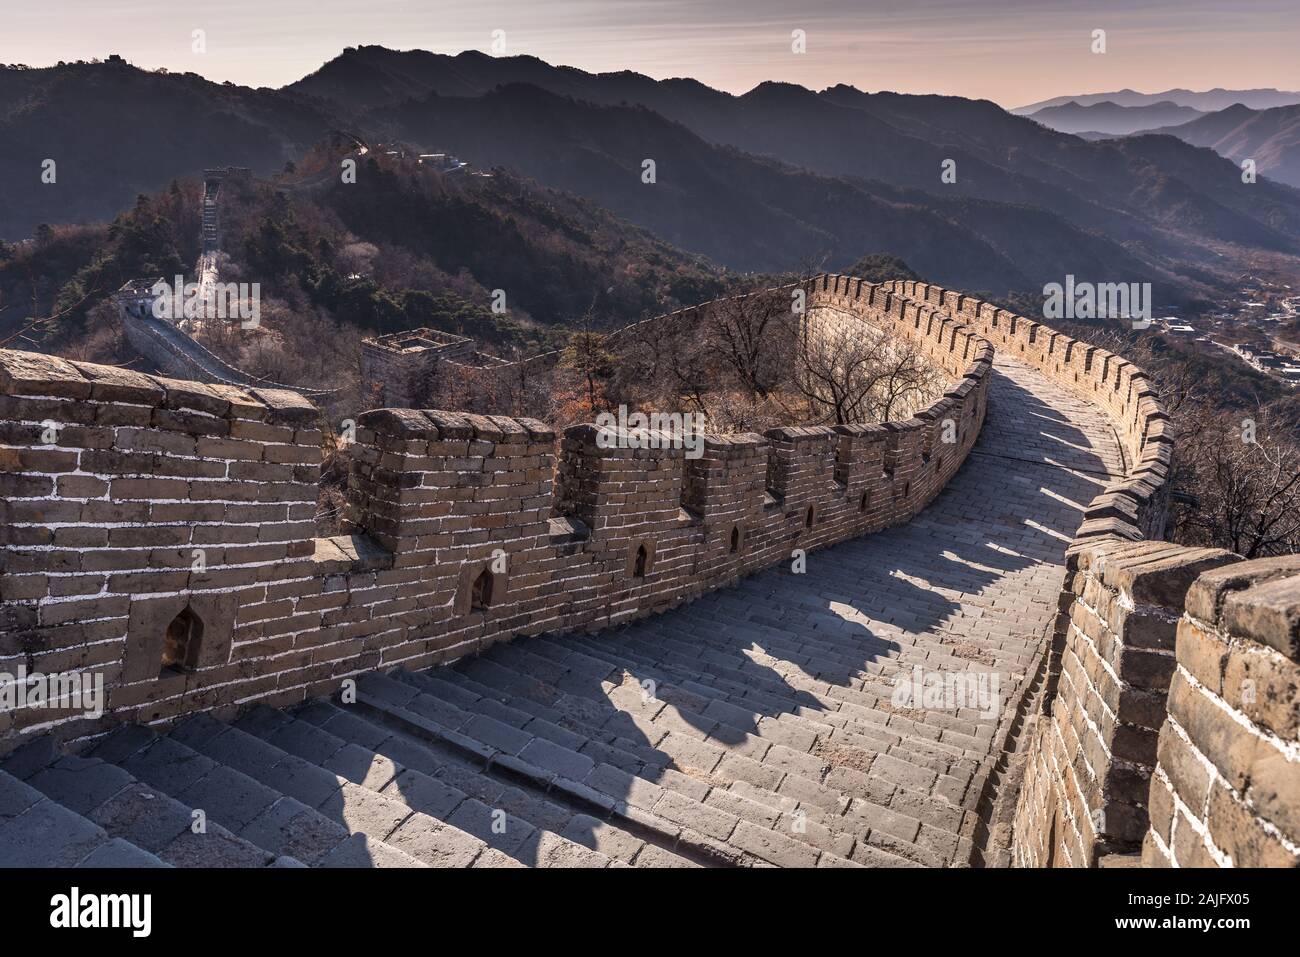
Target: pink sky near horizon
{"x": 1011, "y": 51}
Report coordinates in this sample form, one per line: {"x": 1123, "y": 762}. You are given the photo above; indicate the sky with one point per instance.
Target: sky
{"x": 1011, "y": 51}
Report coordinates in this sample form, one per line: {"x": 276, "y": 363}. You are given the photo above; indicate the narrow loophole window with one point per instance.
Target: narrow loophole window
{"x": 480, "y": 596}
{"x": 808, "y": 518}
{"x": 181, "y": 643}
{"x": 735, "y": 539}
{"x": 638, "y": 568}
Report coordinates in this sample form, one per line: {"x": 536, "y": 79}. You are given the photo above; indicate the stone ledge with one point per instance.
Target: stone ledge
{"x": 35, "y": 374}
{"x": 1206, "y": 599}
{"x": 1268, "y": 613}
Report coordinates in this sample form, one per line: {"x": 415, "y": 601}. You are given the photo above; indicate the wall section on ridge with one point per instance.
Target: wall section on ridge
{"x": 1171, "y": 686}
{"x": 142, "y": 514}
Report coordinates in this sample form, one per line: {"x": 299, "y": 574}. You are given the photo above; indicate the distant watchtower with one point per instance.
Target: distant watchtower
{"x": 401, "y": 367}
{"x": 136, "y": 297}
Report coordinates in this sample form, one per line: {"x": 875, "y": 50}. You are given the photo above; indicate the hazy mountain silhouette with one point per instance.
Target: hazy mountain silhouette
{"x": 115, "y": 132}
{"x": 1206, "y": 101}
{"x": 762, "y": 181}
{"x": 1270, "y": 137}
{"x": 1108, "y": 117}
{"x": 903, "y": 140}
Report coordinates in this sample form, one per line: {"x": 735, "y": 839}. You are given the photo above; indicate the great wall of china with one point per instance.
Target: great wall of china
{"x": 169, "y": 347}
{"x": 611, "y": 645}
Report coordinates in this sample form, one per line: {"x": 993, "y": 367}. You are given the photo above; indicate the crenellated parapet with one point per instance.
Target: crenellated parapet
{"x": 159, "y": 534}
{"x": 1134, "y": 508}
{"x": 1167, "y": 719}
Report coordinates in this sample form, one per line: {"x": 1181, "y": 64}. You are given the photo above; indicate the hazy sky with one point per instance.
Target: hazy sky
{"x": 1011, "y": 51}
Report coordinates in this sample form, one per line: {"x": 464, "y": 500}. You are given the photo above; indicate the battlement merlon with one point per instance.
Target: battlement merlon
{"x": 612, "y": 479}
{"x": 428, "y": 484}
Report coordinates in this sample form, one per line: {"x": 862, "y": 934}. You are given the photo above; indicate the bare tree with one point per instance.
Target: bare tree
{"x": 849, "y": 372}
{"x": 750, "y": 335}
{"x": 1246, "y": 485}
{"x": 698, "y": 359}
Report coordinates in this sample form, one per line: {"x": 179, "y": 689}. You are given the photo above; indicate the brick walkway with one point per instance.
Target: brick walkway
{"x": 776, "y": 694}
{"x": 755, "y": 726}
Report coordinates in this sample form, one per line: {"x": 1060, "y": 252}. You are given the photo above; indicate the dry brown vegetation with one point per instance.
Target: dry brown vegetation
{"x": 746, "y": 364}
{"x": 1236, "y": 467}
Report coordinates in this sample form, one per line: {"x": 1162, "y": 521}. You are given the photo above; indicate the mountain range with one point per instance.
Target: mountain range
{"x": 1111, "y": 118}
{"x": 775, "y": 179}
{"x": 1270, "y": 137}
{"x": 1206, "y": 101}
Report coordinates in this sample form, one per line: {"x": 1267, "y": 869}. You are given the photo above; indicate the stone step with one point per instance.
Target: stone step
{"x": 348, "y": 725}
{"x": 359, "y": 810}
{"x": 37, "y": 831}
{"x": 899, "y": 775}
{"x": 785, "y": 700}
{"x": 242, "y": 813}
{"x": 839, "y": 727}
{"x": 791, "y": 697}
{"x": 737, "y": 795}
{"x": 131, "y": 811}
{"x": 730, "y": 826}
{"x": 826, "y": 793}
{"x": 836, "y": 637}
{"x": 404, "y": 707}
{"x": 608, "y": 794}
{"x": 817, "y": 787}
{"x": 528, "y": 829}
{"x": 798, "y": 781}
{"x": 650, "y": 758}
{"x": 833, "y": 645}
{"x": 489, "y": 705}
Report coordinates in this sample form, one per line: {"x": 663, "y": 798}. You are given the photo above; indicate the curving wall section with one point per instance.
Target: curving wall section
{"x": 136, "y": 505}
{"x": 1169, "y": 711}
{"x": 1136, "y": 507}
{"x": 133, "y": 504}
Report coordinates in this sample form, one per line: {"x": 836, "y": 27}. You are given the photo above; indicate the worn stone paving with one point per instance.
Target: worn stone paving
{"x": 756, "y": 726}
{"x": 779, "y": 692}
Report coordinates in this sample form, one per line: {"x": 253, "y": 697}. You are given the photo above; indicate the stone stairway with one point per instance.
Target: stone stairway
{"x": 589, "y": 751}
{"x": 38, "y": 831}
{"x": 211, "y": 190}
{"x": 321, "y": 786}
{"x": 755, "y": 726}
{"x": 709, "y": 762}
{"x": 209, "y": 225}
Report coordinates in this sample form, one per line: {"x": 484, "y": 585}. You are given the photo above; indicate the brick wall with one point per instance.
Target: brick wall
{"x": 1090, "y": 760}
{"x": 158, "y": 507}
{"x": 1226, "y": 789}
{"x": 1091, "y": 748}
{"x": 1134, "y": 508}
{"x": 123, "y": 497}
